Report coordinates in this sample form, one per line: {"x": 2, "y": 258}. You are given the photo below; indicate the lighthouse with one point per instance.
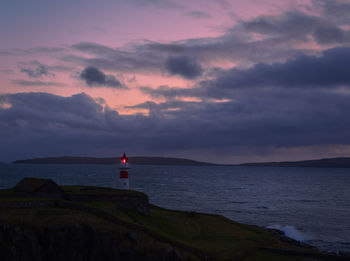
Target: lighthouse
{"x": 124, "y": 172}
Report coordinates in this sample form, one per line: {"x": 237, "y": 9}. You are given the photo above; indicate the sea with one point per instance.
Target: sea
{"x": 311, "y": 205}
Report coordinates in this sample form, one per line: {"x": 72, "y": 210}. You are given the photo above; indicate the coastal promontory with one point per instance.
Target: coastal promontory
{"x": 40, "y": 220}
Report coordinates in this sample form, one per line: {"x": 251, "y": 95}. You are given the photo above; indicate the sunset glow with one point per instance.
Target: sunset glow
{"x": 231, "y": 81}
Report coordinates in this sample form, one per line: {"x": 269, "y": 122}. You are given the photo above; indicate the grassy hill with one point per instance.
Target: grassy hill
{"x": 162, "y": 234}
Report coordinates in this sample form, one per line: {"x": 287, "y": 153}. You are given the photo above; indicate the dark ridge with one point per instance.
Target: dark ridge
{"x": 114, "y": 160}
{"x": 320, "y": 163}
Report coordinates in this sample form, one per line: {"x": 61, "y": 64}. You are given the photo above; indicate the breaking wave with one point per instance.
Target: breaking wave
{"x": 291, "y": 232}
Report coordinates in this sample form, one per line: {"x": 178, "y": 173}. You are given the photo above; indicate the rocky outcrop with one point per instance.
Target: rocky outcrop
{"x": 38, "y": 187}
{"x": 46, "y": 188}
{"x": 78, "y": 242}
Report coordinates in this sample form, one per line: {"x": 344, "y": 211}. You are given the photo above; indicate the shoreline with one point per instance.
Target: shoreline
{"x": 191, "y": 233}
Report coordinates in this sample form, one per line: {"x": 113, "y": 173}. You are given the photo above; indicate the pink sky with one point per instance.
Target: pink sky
{"x": 116, "y": 25}
{"x": 182, "y": 50}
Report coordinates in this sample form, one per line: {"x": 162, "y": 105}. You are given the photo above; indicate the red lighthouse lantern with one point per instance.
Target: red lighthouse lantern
{"x": 124, "y": 172}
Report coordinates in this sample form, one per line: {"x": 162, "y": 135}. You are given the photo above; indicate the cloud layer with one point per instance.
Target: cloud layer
{"x": 34, "y": 123}
{"x": 273, "y": 80}
{"x": 184, "y": 66}
{"x": 38, "y": 70}
{"x": 94, "y": 77}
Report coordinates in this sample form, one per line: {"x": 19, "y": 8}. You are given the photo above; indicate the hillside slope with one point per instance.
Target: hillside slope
{"x": 78, "y": 229}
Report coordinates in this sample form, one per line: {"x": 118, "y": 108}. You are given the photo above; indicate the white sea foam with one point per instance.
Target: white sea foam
{"x": 291, "y": 232}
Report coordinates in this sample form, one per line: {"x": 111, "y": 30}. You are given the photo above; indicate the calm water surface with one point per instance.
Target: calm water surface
{"x": 308, "y": 204}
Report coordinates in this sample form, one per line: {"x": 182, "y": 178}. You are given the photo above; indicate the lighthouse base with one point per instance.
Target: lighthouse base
{"x": 124, "y": 183}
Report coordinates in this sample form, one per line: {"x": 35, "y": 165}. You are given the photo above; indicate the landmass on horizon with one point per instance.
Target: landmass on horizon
{"x": 112, "y": 160}
{"x": 318, "y": 163}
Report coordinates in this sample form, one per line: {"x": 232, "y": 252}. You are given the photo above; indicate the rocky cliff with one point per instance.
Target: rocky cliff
{"x": 92, "y": 223}
{"x": 79, "y": 242}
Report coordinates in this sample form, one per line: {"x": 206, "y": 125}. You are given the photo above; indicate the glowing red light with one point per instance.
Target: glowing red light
{"x": 124, "y": 160}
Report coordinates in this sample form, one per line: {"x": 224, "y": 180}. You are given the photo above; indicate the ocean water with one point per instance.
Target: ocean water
{"x": 309, "y": 204}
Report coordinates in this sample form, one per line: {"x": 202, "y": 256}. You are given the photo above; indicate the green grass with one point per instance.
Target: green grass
{"x": 6, "y": 193}
{"x": 100, "y": 191}
{"x": 50, "y": 216}
{"x": 23, "y": 199}
{"x": 213, "y": 235}
{"x": 110, "y": 208}
{"x": 262, "y": 255}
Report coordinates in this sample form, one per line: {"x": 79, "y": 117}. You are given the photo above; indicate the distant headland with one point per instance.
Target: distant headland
{"x": 317, "y": 163}
{"x": 112, "y": 160}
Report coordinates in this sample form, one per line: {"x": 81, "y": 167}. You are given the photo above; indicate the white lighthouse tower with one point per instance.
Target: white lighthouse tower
{"x": 124, "y": 172}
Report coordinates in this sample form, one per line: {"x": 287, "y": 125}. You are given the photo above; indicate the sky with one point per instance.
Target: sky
{"x": 219, "y": 81}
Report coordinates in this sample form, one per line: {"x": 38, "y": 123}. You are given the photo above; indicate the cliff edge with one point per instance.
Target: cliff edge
{"x": 93, "y": 223}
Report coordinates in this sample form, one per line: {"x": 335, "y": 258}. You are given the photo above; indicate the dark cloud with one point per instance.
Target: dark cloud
{"x": 299, "y": 26}
{"x": 38, "y": 69}
{"x": 329, "y": 35}
{"x": 336, "y": 10}
{"x": 34, "y": 51}
{"x": 184, "y": 66}
{"x": 259, "y": 118}
{"x": 39, "y": 123}
{"x": 278, "y": 95}
{"x": 234, "y": 45}
{"x": 108, "y": 58}
{"x": 281, "y": 37}
{"x": 295, "y": 23}
{"x": 158, "y": 3}
{"x": 327, "y": 71}
{"x": 94, "y": 77}
{"x": 94, "y": 48}
{"x": 169, "y": 92}
{"x": 36, "y": 83}
{"x": 199, "y": 14}
{"x": 161, "y": 110}
{"x": 99, "y": 29}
